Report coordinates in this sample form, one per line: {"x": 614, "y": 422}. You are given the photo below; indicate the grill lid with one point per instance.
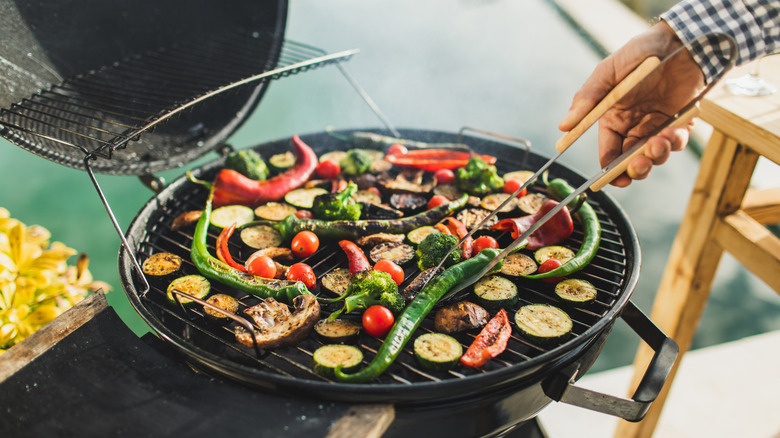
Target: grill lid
{"x": 82, "y": 79}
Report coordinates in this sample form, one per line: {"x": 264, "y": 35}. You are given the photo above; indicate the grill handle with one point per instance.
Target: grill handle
{"x": 562, "y": 388}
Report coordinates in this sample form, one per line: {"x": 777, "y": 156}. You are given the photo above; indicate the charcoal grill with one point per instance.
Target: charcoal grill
{"x": 169, "y": 100}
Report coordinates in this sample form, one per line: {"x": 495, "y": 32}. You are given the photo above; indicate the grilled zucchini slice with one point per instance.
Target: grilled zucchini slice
{"x": 194, "y": 285}
{"x": 228, "y": 215}
{"x": 560, "y": 253}
{"x": 161, "y": 264}
{"x": 417, "y": 235}
{"x": 492, "y": 201}
{"x": 274, "y": 211}
{"x": 281, "y": 162}
{"x": 518, "y": 264}
{"x": 338, "y": 331}
{"x": 543, "y": 323}
{"x": 304, "y": 197}
{"x": 261, "y": 237}
{"x": 437, "y": 351}
{"x": 531, "y": 203}
{"x": 495, "y": 292}
{"x": 224, "y": 302}
{"x": 576, "y": 292}
{"x": 328, "y": 357}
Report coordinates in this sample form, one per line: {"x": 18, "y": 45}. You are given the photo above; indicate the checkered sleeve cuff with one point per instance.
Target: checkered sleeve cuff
{"x": 754, "y": 25}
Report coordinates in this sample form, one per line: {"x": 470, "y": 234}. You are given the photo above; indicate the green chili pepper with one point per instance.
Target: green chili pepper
{"x": 591, "y": 229}
{"x": 350, "y": 230}
{"x": 215, "y": 269}
{"x": 409, "y": 320}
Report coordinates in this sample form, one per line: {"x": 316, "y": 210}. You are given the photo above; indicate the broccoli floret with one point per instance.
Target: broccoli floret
{"x": 369, "y": 288}
{"x": 478, "y": 178}
{"x": 356, "y": 162}
{"x": 337, "y": 206}
{"x": 248, "y": 163}
{"x": 432, "y": 249}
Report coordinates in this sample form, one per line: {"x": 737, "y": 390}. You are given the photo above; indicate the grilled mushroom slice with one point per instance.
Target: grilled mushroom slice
{"x": 277, "y": 326}
{"x": 458, "y": 317}
{"x": 376, "y": 239}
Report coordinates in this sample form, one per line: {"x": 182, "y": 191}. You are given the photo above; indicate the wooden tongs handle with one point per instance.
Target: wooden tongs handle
{"x": 617, "y": 93}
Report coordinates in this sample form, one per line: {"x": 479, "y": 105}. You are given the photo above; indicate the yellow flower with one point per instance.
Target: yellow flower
{"x": 36, "y": 283}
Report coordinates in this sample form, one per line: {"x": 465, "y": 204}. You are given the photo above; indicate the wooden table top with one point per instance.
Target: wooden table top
{"x": 754, "y": 121}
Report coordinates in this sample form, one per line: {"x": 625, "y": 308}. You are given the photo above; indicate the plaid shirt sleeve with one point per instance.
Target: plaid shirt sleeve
{"x": 754, "y": 25}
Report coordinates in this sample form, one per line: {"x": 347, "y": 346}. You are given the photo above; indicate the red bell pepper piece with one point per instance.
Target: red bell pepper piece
{"x": 553, "y": 232}
{"x": 358, "y": 262}
{"x": 434, "y": 159}
{"x": 457, "y": 228}
{"x": 490, "y": 342}
{"x": 231, "y": 187}
{"x": 222, "y": 248}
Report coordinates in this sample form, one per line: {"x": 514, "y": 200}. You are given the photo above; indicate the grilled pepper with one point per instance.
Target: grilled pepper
{"x": 435, "y": 159}
{"x": 231, "y": 187}
{"x": 552, "y": 232}
{"x": 352, "y": 230}
{"x": 217, "y": 270}
{"x": 490, "y": 342}
{"x": 591, "y": 229}
{"x": 411, "y": 318}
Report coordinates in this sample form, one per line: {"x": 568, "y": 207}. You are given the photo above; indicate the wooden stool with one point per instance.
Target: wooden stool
{"x": 723, "y": 214}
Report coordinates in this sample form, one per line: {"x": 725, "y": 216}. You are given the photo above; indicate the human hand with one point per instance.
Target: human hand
{"x": 648, "y": 106}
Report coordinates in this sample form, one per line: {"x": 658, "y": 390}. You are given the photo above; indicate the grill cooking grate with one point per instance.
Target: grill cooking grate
{"x": 608, "y": 272}
{"x": 103, "y": 112}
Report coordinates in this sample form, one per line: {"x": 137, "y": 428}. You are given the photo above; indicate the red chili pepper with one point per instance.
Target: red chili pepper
{"x": 358, "y": 262}
{"x": 490, "y": 342}
{"x": 457, "y": 228}
{"x": 443, "y": 228}
{"x": 222, "y": 248}
{"x": 230, "y": 187}
{"x": 553, "y": 232}
{"x": 434, "y": 159}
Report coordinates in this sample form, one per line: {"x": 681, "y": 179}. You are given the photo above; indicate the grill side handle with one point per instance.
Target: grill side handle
{"x": 562, "y": 388}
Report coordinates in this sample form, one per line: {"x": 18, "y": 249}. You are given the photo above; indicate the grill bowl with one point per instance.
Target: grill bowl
{"x": 209, "y": 347}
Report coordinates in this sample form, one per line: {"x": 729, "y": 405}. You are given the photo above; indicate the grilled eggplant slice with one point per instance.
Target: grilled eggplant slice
{"x": 495, "y": 292}
{"x": 328, "y": 357}
{"x": 224, "y": 302}
{"x": 576, "y": 292}
{"x": 408, "y": 202}
{"x": 398, "y": 253}
{"x": 194, "y": 285}
{"x": 458, "y": 317}
{"x": 370, "y": 210}
{"x": 336, "y": 281}
{"x": 376, "y": 239}
{"x": 437, "y": 351}
{"x": 276, "y": 326}
{"x": 543, "y": 323}
{"x": 161, "y": 264}
{"x": 337, "y": 331}
{"x": 412, "y": 289}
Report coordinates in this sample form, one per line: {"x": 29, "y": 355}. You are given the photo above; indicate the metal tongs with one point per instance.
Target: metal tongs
{"x": 605, "y": 175}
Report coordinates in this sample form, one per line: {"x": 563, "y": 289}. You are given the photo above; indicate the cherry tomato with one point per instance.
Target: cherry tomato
{"x": 436, "y": 201}
{"x": 262, "y": 266}
{"x": 548, "y": 266}
{"x": 391, "y": 268}
{"x": 397, "y": 149}
{"x": 483, "y": 242}
{"x": 304, "y": 214}
{"x": 511, "y": 186}
{"x": 444, "y": 176}
{"x": 302, "y": 272}
{"x": 305, "y": 244}
{"x": 378, "y": 320}
{"x": 328, "y": 169}
{"x": 375, "y": 191}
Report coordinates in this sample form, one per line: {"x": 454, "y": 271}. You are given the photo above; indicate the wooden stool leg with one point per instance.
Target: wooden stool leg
{"x": 724, "y": 175}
